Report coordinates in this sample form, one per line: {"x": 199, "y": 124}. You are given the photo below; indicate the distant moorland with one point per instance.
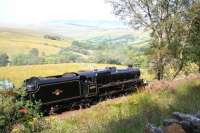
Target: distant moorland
{"x": 112, "y": 46}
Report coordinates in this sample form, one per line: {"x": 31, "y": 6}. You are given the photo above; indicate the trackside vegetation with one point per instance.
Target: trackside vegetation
{"x": 130, "y": 114}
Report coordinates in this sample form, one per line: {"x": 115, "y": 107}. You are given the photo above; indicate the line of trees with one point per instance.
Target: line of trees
{"x": 27, "y": 59}
{"x": 33, "y": 58}
{"x": 21, "y": 59}
{"x": 174, "y": 26}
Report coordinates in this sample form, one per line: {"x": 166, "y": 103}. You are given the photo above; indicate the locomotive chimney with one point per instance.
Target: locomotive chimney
{"x": 130, "y": 67}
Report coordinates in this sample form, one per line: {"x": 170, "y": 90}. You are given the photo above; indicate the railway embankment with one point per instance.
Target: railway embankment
{"x": 132, "y": 113}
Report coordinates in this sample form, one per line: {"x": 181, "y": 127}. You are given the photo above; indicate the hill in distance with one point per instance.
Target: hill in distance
{"x": 15, "y": 39}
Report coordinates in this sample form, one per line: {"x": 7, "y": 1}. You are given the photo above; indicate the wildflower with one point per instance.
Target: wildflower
{"x": 23, "y": 110}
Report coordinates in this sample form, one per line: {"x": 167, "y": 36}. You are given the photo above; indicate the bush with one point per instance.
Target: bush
{"x": 18, "y": 114}
{"x": 4, "y": 59}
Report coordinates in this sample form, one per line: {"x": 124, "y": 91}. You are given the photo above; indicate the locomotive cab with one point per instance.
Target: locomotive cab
{"x": 88, "y": 83}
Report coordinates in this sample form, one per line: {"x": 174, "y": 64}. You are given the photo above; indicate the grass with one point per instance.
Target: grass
{"x": 130, "y": 114}
{"x": 127, "y": 114}
{"x": 16, "y": 41}
{"x": 17, "y": 74}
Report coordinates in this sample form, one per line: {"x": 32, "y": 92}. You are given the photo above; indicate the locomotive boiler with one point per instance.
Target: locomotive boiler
{"x": 82, "y": 88}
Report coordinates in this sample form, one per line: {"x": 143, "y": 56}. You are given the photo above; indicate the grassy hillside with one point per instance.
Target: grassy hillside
{"x": 98, "y": 48}
{"x": 15, "y": 41}
{"x": 130, "y": 114}
{"x": 18, "y": 74}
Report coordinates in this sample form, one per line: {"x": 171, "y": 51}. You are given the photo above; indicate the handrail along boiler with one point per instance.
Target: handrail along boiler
{"x": 84, "y": 87}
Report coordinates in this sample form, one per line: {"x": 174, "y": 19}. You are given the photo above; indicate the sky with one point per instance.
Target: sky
{"x": 36, "y": 11}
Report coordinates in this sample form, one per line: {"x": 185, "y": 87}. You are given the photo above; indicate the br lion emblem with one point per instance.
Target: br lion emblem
{"x": 57, "y": 92}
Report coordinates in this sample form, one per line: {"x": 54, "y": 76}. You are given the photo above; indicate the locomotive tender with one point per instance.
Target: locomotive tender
{"x": 82, "y": 88}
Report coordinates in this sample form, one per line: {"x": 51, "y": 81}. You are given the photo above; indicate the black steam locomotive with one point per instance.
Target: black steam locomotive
{"x": 82, "y": 88}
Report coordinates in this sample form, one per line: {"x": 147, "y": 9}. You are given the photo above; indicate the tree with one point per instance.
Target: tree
{"x": 161, "y": 17}
{"x": 4, "y": 59}
{"x": 34, "y": 52}
{"x": 177, "y": 42}
{"x": 194, "y": 36}
{"x": 33, "y": 57}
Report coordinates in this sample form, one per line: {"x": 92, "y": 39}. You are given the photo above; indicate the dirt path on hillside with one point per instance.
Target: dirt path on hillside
{"x": 172, "y": 84}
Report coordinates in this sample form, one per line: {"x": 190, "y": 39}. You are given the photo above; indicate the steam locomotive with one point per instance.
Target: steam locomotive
{"x": 82, "y": 88}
